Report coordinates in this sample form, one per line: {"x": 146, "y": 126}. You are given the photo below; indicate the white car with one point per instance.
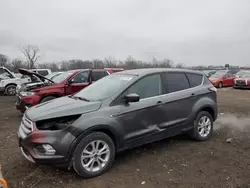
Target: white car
{"x": 9, "y": 81}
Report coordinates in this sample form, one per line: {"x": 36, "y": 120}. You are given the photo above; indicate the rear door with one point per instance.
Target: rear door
{"x": 181, "y": 94}
{"x": 78, "y": 82}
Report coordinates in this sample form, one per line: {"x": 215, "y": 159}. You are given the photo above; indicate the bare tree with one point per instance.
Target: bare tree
{"x": 180, "y": 65}
{"x": 3, "y": 60}
{"x": 31, "y": 53}
{"x": 16, "y": 64}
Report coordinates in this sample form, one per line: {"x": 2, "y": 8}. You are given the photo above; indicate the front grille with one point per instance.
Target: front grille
{"x": 26, "y": 127}
{"x": 240, "y": 82}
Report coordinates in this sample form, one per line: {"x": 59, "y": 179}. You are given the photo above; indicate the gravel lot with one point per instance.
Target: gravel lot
{"x": 176, "y": 162}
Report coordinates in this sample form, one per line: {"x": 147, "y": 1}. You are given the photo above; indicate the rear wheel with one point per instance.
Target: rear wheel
{"x": 203, "y": 126}
{"x": 94, "y": 155}
{"x": 47, "y": 99}
{"x": 220, "y": 85}
{"x": 10, "y": 90}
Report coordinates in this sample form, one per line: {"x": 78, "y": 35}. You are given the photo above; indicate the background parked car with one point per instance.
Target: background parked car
{"x": 64, "y": 84}
{"x": 53, "y": 75}
{"x": 241, "y": 72}
{"x": 43, "y": 72}
{"x": 222, "y": 78}
{"x": 9, "y": 81}
{"x": 243, "y": 81}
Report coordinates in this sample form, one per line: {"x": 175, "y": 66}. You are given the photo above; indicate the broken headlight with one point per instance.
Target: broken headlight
{"x": 56, "y": 123}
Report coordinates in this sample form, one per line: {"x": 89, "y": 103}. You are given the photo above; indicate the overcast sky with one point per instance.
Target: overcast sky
{"x": 190, "y": 31}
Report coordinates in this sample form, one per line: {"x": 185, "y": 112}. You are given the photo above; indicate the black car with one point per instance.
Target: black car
{"x": 118, "y": 112}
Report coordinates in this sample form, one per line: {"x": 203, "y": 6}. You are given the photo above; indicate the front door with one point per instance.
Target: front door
{"x": 78, "y": 82}
{"x": 141, "y": 119}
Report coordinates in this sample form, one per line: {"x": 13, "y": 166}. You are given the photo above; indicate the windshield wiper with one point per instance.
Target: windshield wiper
{"x": 80, "y": 98}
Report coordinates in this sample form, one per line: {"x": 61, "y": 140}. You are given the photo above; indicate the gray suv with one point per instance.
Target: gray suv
{"x": 123, "y": 110}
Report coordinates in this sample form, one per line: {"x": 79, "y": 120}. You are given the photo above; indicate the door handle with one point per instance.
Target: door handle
{"x": 193, "y": 94}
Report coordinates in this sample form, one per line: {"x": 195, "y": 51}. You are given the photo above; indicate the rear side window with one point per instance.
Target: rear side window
{"x": 194, "y": 79}
{"x": 175, "y": 82}
{"x": 96, "y": 75}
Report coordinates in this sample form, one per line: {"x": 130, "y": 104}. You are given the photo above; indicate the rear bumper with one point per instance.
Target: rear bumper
{"x": 2, "y": 89}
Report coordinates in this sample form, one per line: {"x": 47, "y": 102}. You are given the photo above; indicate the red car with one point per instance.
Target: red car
{"x": 64, "y": 84}
{"x": 222, "y": 79}
{"x": 242, "y": 82}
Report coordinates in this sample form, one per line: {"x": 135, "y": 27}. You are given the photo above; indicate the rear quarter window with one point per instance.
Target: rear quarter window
{"x": 194, "y": 79}
{"x": 174, "y": 82}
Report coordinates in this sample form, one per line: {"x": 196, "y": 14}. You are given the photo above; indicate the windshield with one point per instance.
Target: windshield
{"x": 61, "y": 77}
{"x": 246, "y": 75}
{"x": 105, "y": 87}
{"x": 217, "y": 75}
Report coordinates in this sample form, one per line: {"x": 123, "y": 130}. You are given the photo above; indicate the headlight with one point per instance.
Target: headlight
{"x": 25, "y": 94}
{"x": 214, "y": 81}
{"x": 57, "y": 123}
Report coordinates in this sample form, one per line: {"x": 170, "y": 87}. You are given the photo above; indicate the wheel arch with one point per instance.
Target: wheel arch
{"x": 98, "y": 128}
{"x": 50, "y": 95}
{"x": 10, "y": 84}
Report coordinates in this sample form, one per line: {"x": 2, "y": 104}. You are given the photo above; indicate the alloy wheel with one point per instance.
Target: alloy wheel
{"x": 204, "y": 126}
{"x": 95, "y": 156}
{"x": 11, "y": 90}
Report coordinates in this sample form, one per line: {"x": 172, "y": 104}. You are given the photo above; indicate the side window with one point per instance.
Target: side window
{"x": 175, "y": 82}
{"x": 194, "y": 79}
{"x": 149, "y": 86}
{"x": 82, "y": 77}
{"x": 96, "y": 75}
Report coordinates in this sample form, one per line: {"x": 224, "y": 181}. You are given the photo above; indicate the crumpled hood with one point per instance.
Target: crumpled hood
{"x": 63, "y": 106}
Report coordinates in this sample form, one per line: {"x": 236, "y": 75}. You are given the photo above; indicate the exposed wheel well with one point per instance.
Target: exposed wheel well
{"x": 210, "y": 111}
{"x": 109, "y": 133}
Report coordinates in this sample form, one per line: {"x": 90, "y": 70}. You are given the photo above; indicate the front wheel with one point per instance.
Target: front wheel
{"x": 203, "y": 126}
{"x": 10, "y": 90}
{"x": 94, "y": 155}
{"x": 220, "y": 85}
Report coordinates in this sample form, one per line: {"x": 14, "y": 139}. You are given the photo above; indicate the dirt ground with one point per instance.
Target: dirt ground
{"x": 177, "y": 162}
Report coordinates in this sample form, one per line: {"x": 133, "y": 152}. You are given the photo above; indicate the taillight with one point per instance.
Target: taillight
{"x": 212, "y": 89}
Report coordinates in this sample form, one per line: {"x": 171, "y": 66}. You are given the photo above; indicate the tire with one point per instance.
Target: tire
{"x": 10, "y": 90}
{"x": 220, "y": 85}
{"x": 85, "y": 144}
{"x": 45, "y": 99}
{"x": 196, "y": 132}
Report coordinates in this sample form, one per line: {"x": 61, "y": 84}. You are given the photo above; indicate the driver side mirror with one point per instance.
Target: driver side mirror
{"x": 132, "y": 97}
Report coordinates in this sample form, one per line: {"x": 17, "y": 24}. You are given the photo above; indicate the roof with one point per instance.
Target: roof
{"x": 142, "y": 72}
